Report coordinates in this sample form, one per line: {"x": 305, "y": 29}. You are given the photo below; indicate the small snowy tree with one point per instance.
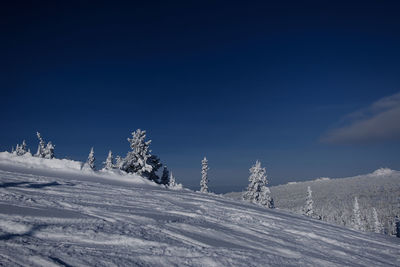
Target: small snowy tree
{"x": 108, "y": 164}
{"x": 41, "y": 147}
{"x": 165, "y": 176}
{"x": 377, "y": 224}
{"x": 204, "y": 176}
{"x": 356, "y": 216}
{"x": 21, "y": 149}
{"x": 49, "y": 151}
{"x": 172, "y": 181}
{"x": 308, "y": 209}
{"x": 139, "y": 160}
{"x": 397, "y": 224}
{"x": 91, "y": 159}
{"x": 118, "y": 162}
{"x": 257, "y": 191}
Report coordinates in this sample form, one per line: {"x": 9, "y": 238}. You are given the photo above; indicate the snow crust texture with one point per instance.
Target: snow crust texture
{"x": 64, "y": 219}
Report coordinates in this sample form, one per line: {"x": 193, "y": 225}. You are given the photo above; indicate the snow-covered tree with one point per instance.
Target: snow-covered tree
{"x": 91, "y": 159}
{"x": 21, "y": 149}
{"x": 377, "y": 224}
{"x": 172, "y": 181}
{"x": 165, "y": 176}
{"x": 257, "y": 191}
{"x": 118, "y": 162}
{"x": 204, "y": 176}
{"x": 357, "y": 216}
{"x": 308, "y": 209}
{"x": 397, "y": 224}
{"x": 139, "y": 160}
{"x": 41, "y": 147}
{"x": 108, "y": 164}
{"x": 49, "y": 151}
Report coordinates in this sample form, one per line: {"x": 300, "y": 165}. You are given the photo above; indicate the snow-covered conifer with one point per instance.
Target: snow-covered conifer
{"x": 41, "y": 147}
{"x": 49, "y": 151}
{"x": 257, "y": 191}
{"x": 357, "y": 216}
{"x": 21, "y": 149}
{"x": 118, "y": 162}
{"x": 204, "y": 176}
{"x": 139, "y": 160}
{"x": 91, "y": 159}
{"x": 12, "y": 149}
{"x": 377, "y": 224}
{"x": 397, "y": 225}
{"x": 308, "y": 209}
{"x": 108, "y": 164}
{"x": 165, "y": 176}
{"x": 172, "y": 181}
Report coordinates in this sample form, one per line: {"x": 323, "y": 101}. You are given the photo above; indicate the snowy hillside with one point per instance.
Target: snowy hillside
{"x": 333, "y": 198}
{"x": 71, "y": 217}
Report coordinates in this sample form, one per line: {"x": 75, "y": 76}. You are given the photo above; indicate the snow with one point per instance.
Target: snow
{"x": 333, "y": 198}
{"x": 71, "y": 217}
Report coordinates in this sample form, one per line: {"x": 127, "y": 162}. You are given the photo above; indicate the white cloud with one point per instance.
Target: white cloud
{"x": 380, "y": 122}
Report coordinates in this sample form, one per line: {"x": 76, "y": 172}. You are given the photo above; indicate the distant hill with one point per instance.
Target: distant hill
{"x": 333, "y": 198}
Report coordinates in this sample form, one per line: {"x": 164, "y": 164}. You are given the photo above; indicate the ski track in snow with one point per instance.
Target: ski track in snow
{"x": 62, "y": 220}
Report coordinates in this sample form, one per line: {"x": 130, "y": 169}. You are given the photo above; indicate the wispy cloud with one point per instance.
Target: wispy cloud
{"x": 380, "y": 122}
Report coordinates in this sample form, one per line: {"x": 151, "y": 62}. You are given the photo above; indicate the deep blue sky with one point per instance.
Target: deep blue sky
{"x": 233, "y": 81}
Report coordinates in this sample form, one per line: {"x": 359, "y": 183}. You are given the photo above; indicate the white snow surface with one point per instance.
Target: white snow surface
{"x": 70, "y": 217}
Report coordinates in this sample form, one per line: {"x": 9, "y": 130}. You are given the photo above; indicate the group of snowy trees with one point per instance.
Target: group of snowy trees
{"x": 257, "y": 191}
{"x": 138, "y": 160}
{"x": 357, "y": 222}
{"x": 44, "y": 150}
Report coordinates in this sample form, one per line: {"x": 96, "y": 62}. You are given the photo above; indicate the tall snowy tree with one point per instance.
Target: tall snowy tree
{"x": 49, "y": 151}
{"x": 204, "y": 176}
{"x": 165, "y": 176}
{"x": 139, "y": 160}
{"x": 356, "y": 216}
{"x": 172, "y": 181}
{"x": 257, "y": 191}
{"x": 377, "y": 224}
{"x": 41, "y": 147}
{"x": 308, "y": 209}
{"x": 91, "y": 159}
{"x": 108, "y": 164}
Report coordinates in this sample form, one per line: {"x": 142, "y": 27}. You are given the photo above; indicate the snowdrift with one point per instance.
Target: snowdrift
{"x": 68, "y": 169}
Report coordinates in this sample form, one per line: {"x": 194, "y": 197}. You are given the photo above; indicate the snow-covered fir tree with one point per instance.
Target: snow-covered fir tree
{"x": 377, "y": 224}
{"x": 139, "y": 160}
{"x": 21, "y": 149}
{"x": 308, "y": 209}
{"x": 165, "y": 176}
{"x": 49, "y": 151}
{"x": 118, "y": 162}
{"x": 357, "y": 216}
{"x": 204, "y": 176}
{"x": 172, "y": 181}
{"x": 397, "y": 226}
{"x": 91, "y": 159}
{"x": 108, "y": 164}
{"x": 257, "y": 191}
{"x": 41, "y": 147}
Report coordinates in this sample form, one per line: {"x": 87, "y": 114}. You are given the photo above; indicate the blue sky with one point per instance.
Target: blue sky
{"x": 308, "y": 89}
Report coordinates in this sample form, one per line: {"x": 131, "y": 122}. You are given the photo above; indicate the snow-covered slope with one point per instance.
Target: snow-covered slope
{"x": 333, "y": 198}
{"x": 63, "y": 218}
